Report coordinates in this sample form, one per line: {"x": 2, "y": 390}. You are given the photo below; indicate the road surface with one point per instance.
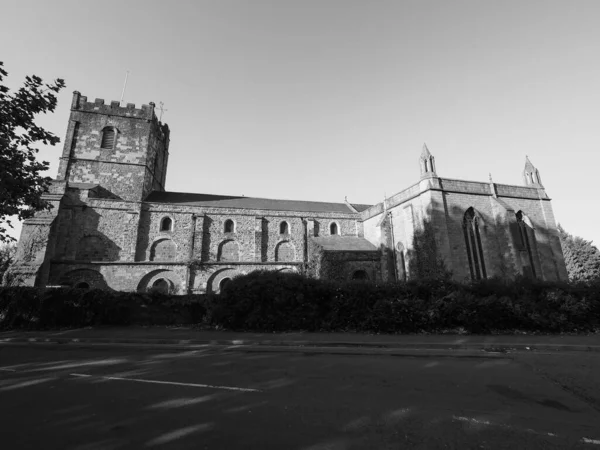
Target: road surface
{"x": 68, "y": 398}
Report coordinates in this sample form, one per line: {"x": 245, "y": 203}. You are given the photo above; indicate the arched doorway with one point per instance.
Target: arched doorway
{"x": 82, "y": 285}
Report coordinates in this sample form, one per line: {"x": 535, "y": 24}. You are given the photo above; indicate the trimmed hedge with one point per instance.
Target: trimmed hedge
{"x": 32, "y": 308}
{"x": 272, "y": 301}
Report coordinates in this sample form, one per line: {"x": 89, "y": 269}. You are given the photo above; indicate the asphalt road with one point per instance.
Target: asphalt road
{"x": 61, "y": 397}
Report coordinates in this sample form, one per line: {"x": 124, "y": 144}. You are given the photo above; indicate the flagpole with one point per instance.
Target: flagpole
{"x": 124, "y": 85}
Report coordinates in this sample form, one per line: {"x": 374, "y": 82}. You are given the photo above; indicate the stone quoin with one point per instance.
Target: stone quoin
{"x": 114, "y": 226}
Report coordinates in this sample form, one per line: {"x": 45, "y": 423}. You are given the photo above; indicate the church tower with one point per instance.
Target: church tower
{"x": 531, "y": 176}
{"x": 123, "y": 150}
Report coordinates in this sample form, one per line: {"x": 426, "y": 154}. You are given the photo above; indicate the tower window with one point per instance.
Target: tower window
{"x": 473, "y": 243}
{"x": 166, "y": 224}
{"x": 333, "y": 229}
{"x": 284, "y": 228}
{"x": 108, "y": 138}
{"x": 229, "y": 226}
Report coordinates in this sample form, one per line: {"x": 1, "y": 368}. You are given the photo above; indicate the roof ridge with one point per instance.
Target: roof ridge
{"x": 257, "y": 198}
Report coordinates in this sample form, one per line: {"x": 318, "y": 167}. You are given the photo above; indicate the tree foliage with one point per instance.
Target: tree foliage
{"x": 7, "y": 256}
{"x": 581, "y": 257}
{"x": 21, "y": 181}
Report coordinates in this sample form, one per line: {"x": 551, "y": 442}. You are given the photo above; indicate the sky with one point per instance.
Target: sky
{"x": 326, "y": 99}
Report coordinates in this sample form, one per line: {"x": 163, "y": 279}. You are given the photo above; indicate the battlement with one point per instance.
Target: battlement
{"x": 98, "y": 106}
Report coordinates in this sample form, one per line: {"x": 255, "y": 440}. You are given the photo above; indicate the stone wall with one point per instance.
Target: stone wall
{"x": 127, "y": 169}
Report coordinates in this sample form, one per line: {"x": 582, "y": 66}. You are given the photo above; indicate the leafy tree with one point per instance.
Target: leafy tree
{"x": 21, "y": 180}
{"x": 581, "y": 257}
{"x": 7, "y": 256}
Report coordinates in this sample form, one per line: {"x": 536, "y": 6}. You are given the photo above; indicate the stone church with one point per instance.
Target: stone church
{"x": 113, "y": 224}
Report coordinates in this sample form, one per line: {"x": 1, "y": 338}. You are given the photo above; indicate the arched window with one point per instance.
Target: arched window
{"x": 284, "y": 228}
{"x": 473, "y": 242}
{"x": 166, "y": 224}
{"x": 109, "y": 136}
{"x": 527, "y": 235}
{"x": 333, "y": 228}
{"x": 229, "y": 226}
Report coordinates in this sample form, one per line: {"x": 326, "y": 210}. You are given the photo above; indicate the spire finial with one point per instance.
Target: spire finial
{"x": 425, "y": 152}
{"x": 491, "y": 181}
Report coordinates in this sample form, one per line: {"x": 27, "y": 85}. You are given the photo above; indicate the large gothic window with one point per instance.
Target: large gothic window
{"x": 527, "y": 241}
{"x": 473, "y": 242}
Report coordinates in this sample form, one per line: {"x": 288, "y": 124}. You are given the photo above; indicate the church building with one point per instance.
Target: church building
{"x": 113, "y": 224}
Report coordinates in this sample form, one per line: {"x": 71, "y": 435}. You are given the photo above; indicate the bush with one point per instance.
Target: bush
{"x": 268, "y": 301}
{"x": 32, "y": 308}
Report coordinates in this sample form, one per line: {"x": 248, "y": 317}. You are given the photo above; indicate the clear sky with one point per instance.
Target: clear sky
{"x": 321, "y": 99}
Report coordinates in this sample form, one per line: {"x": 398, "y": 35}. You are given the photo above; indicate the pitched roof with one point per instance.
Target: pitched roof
{"x": 228, "y": 201}
{"x": 83, "y": 185}
{"x": 344, "y": 244}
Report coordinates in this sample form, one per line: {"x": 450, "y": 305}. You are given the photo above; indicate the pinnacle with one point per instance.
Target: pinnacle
{"x": 425, "y": 153}
{"x": 528, "y": 165}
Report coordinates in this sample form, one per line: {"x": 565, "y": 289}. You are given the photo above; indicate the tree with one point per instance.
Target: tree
{"x": 21, "y": 180}
{"x": 581, "y": 257}
{"x": 7, "y": 256}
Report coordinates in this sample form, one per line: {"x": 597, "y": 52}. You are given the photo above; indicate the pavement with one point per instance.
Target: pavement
{"x": 223, "y": 397}
{"x": 355, "y": 343}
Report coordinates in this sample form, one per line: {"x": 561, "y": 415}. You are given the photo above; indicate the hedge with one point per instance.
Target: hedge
{"x": 266, "y": 301}
{"x": 33, "y": 308}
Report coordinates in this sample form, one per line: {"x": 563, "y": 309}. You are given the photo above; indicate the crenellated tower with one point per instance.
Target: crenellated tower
{"x": 124, "y": 150}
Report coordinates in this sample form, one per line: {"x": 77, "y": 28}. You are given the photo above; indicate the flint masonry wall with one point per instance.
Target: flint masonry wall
{"x": 442, "y": 204}
{"x": 133, "y": 166}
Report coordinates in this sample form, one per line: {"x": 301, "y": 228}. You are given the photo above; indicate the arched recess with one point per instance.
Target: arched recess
{"x": 91, "y": 248}
{"x": 80, "y": 277}
{"x": 214, "y": 281}
{"x": 285, "y": 251}
{"x": 527, "y": 243}
{"x": 228, "y": 251}
{"x": 360, "y": 275}
{"x": 153, "y": 280}
{"x": 163, "y": 250}
{"x": 472, "y": 235}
